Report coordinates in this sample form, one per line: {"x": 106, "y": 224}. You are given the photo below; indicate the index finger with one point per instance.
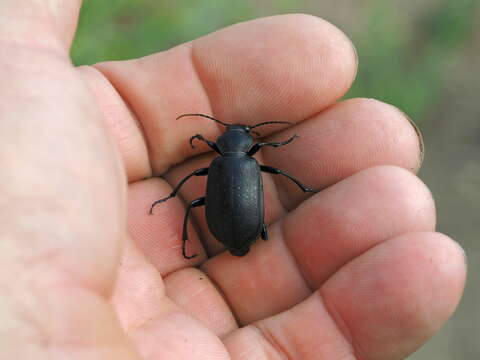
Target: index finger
{"x": 283, "y": 68}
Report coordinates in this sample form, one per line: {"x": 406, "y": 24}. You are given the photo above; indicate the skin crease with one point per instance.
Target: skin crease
{"x": 353, "y": 272}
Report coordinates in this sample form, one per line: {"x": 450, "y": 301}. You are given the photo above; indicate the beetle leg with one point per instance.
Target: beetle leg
{"x": 253, "y": 150}
{"x": 272, "y": 170}
{"x": 264, "y": 234}
{"x": 212, "y": 145}
{"x": 199, "y": 172}
{"x": 194, "y": 203}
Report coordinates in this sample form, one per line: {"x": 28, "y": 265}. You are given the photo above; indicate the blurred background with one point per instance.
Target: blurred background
{"x": 421, "y": 56}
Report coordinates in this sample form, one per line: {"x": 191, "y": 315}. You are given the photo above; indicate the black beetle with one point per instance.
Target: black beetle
{"x": 234, "y": 200}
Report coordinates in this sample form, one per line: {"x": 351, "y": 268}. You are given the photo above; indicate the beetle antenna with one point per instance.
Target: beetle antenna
{"x": 270, "y": 122}
{"x": 203, "y": 115}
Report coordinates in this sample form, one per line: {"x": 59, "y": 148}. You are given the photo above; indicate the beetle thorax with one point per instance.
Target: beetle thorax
{"x": 235, "y": 141}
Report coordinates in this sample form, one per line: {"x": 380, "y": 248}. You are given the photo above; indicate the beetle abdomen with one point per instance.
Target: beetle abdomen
{"x": 234, "y": 201}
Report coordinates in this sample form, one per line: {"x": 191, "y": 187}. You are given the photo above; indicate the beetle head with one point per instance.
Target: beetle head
{"x": 239, "y": 138}
{"x": 236, "y": 140}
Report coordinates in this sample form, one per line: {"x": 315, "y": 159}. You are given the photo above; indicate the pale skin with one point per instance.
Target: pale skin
{"x": 356, "y": 271}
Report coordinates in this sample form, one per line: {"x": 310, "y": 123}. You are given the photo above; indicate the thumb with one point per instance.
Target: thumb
{"x": 44, "y": 23}
{"x": 62, "y": 194}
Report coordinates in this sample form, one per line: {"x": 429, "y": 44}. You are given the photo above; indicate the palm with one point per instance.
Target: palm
{"x": 323, "y": 253}
{"x": 349, "y": 272}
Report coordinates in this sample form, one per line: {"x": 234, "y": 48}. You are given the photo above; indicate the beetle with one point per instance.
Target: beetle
{"x": 234, "y": 200}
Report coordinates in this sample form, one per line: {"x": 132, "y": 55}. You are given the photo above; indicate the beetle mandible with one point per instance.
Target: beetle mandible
{"x": 234, "y": 200}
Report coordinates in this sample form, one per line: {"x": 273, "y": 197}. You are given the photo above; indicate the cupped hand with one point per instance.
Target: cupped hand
{"x": 353, "y": 272}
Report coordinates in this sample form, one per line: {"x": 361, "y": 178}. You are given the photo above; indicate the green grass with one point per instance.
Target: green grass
{"x": 406, "y": 63}
{"x": 403, "y": 61}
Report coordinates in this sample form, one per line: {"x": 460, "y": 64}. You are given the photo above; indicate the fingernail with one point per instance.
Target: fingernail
{"x": 421, "y": 144}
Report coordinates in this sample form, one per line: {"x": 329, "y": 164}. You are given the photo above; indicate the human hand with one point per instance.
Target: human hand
{"x": 355, "y": 271}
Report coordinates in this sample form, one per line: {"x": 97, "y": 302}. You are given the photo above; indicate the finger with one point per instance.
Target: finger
{"x": 139, "y": 293}
{"x": 240, "y": 74}
{"x": 40, "y": 24}
{"x": 346, "y": 138}
{"x": 159, "y": 327}
{"x": 121, "y": 122}
{"x": 319, "y": 237}
{"x": 409, "y": 287}
{"x": 142, "y": 296}
{"x": 382, "y": 305}
{"x": 355, "y": 215}
{"x": 195, "y": 294}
